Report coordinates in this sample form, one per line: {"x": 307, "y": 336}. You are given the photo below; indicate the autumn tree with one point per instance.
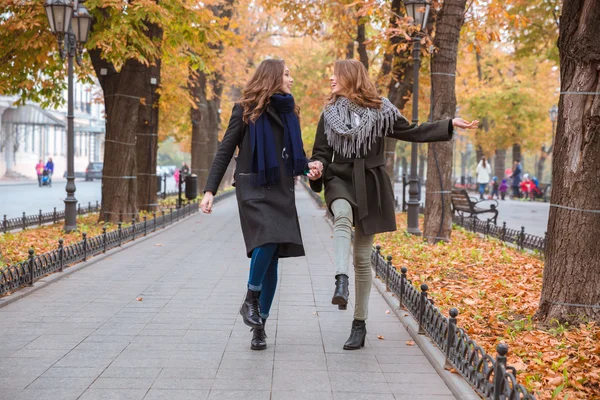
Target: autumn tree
{"x": 438, "y": 213}
{"x": 206, "y": 90}
{"x": 571, "y": 283}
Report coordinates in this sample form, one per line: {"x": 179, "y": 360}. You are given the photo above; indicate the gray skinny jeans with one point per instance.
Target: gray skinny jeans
{"x": 363, "y": 245}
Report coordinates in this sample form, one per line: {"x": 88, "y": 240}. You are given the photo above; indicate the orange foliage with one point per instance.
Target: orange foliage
{"x": 497, "y": 289}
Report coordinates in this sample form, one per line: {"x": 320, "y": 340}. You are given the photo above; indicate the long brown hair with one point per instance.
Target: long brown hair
{"x": 265, "y": 82}
{"x": 355, "y": 84}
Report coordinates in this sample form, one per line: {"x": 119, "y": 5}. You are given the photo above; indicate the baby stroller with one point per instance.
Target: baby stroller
{"x": 46, "y": 178}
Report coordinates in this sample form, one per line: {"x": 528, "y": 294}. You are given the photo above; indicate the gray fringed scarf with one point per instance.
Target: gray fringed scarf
{"x": 351, "y": 129}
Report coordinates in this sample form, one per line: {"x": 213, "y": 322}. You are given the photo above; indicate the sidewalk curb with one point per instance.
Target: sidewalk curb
{"x": 56, "y": 276}
{"x": 460, "y": 388}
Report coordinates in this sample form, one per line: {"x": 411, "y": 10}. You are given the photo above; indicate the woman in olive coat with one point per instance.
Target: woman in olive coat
{"x": 264, "y": 126}
{"x": 350, "y": 145}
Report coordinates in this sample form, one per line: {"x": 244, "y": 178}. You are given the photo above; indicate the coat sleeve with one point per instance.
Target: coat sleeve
{"x": 323, "y": 152}
{"x": 232, "y": 139}
{"x": 438, "y": 131}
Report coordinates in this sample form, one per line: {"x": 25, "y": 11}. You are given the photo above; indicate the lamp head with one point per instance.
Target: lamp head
{"x": 418, "y": 11}
{"x": 59, "y": 13}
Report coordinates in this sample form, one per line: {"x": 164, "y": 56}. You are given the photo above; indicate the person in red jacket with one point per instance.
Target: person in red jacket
{"x": 39, "y": 168}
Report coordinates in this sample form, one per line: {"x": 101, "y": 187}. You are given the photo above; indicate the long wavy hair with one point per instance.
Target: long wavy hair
{"x": 354, "y": 82}
{"x": 265, "y": 82}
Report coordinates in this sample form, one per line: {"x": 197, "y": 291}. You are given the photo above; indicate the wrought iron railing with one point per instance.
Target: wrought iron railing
{"x": 519, "y": 238}
{"x": 491, "y": 377}
{"x": 52, "y": 217}
{"x": 25, "y": 273}
{"x": 26, "y": 221}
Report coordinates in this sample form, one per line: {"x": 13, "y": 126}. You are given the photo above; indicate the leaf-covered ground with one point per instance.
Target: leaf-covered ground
{"x": 497, "y": 289}
{"x": 14, "y": 247}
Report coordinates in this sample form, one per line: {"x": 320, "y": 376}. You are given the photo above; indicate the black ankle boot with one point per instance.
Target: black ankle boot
{"x": 340, "y": 295}
{"x": 250, "y": 310}
{"x": 357, "y": 336}
{"x": 259, "y": 337}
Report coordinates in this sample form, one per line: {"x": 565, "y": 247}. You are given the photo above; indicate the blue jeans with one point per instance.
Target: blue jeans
{"x": 482, "y": 188}
{"x": 263, "y": 275}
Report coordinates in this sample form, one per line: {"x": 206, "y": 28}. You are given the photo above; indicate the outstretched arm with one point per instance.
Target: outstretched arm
{"x": 438, "y": 131}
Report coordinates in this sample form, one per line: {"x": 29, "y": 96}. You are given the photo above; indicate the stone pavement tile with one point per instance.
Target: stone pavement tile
{"x": 420, "y": 387}
{"x": 55, "y": 342}
{"x": 362, "y": 396}
{"x": 216, "y": 394}
{"x": 67, "y": 393}
{"x": 15, "y": 382}
{"x": 61, "y": 382}
{"x": 113, "y": 394}
{"x": 300, "y": 395}
{"x": 73, "y": 372}
{"x": 264, "y": 364}
{"x": 37, "y": 354}
{"x": 188, "y": 373}
{"x": 119, "y": 372}
{"x": 170, "y": 383}
{"x": 409, "y": 377}
{"x": 309, "y": 364}
{"x": 165, "y": 394}
{"x": 24, "y": 368}
{"x": 300, "y": 380}
{"x": 123, "y": 383}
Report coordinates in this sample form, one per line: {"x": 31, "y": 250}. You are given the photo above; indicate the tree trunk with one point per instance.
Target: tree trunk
{"x": 200, "y": 127}
{"x": 122, "y": 91}
{"x": 399, "y": 65}
{"x": 362, "y": 47}
{"x": 206, "y": 117}
{"x": 128, "y": 177}
{"x": 350, "y": 50}
{"x": 438, "y": 214}
{"x": 516, "y": 155}
{"x": 147, "y": 133}
{"x": 571, "y": 283}
{"x": 500, "y": 164}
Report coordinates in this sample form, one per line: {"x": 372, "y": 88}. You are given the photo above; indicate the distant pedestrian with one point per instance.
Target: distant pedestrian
{"x": 176, "y": 176}
{"x": 495, "y": 186}
{"x": 503, "y": 189}
{"x": 50, "y": 168}
{"x": 516, "y": 179}
{"x": 39, "y": 169}
{"x": 185, "y": 170}
{"x": 484, "y": 170}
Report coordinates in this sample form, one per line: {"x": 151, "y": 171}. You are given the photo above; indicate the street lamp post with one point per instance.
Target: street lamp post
{"x": 418, "y": 11}
{"x": 71, "y": 24}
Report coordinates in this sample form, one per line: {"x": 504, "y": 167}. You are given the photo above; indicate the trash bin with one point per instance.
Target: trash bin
{"x": 191, "y": 186}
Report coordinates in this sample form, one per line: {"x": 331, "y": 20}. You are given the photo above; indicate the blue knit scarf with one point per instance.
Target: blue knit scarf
{"x": 265, "y": 161}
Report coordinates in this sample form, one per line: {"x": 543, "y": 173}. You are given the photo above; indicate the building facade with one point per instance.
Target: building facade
{"x": 30, "y": 133}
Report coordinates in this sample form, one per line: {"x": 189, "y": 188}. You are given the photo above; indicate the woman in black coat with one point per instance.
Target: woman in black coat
{"x": 264, "y": 126}
{"x": 350, "y": 145}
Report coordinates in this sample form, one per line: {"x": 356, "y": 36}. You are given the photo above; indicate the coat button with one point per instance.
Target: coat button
{"x": 291, "y": 189}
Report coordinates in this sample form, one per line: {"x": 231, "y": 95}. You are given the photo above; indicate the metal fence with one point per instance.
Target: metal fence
{"x": 25, "y": 273}
{"x": 519, "y": 238}
{"x": 491, "y": 377}
{"x": 26, "y": 221}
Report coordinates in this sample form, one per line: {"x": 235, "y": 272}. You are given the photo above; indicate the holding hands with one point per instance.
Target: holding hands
{"x": 316, "y": 170}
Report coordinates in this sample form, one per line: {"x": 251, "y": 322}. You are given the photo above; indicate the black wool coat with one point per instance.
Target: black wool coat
{"x": 363, "y": 181}
{"x": 267, "y": 214}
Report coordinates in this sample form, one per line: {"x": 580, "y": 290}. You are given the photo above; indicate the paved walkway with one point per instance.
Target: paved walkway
{"x": 88, "y": 337}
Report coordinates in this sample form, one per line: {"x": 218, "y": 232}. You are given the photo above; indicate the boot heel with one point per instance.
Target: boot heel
{"x": 363, "y": 343}
{"x": 342, "y": 307}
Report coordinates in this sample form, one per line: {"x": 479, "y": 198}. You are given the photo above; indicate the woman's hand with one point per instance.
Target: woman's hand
{"x": 207, "y": 201}
{"x": 316, "y": 170}
{"x": 461, "y": 123}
